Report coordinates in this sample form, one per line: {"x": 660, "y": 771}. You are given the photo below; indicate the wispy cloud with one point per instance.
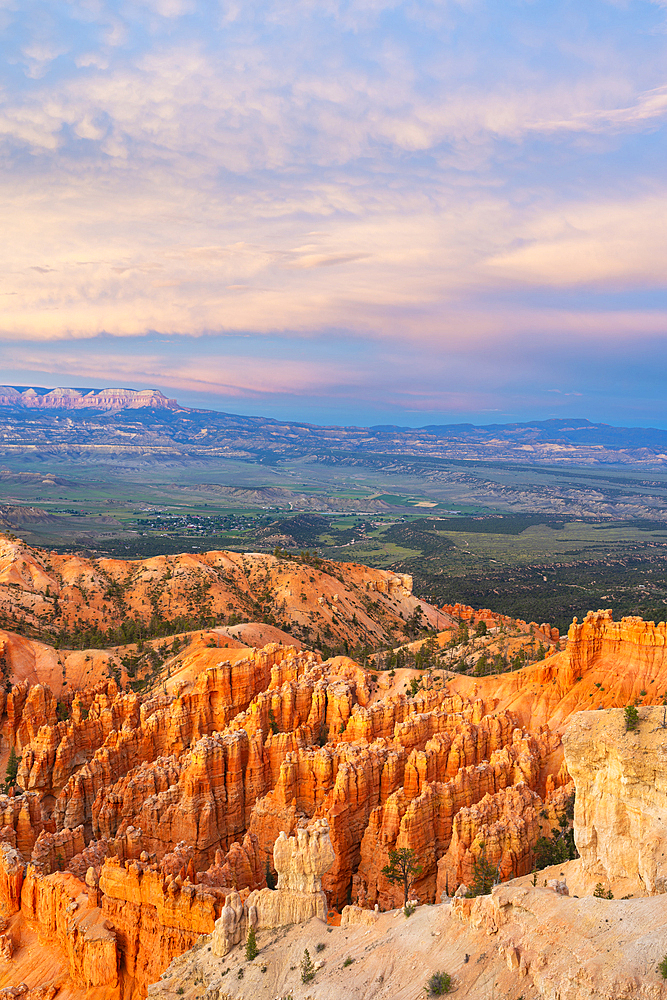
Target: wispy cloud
{"x": 652, "y": 104}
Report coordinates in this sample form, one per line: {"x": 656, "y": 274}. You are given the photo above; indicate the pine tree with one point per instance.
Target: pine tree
{"x": 12, "y": 768}
{"x": 251, "y": 949}
{"x": 269, "y": 876}
{"x": 631, "y": 718}
{"x": 403, "y": 869}
{"x": 307, "y": 967}
{"x": 484, "y": 875}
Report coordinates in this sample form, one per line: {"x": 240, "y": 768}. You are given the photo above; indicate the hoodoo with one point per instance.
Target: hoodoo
{"x": 141, "y": 821}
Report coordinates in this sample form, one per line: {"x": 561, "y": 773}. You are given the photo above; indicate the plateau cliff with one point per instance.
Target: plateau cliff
{"x": 76, "y": 399}
{"x": 621, "y": 799}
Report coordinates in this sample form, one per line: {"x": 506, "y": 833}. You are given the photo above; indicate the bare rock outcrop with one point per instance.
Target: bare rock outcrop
{"x": 12, "y": 872}
{"x": 505, "y": 826}
{"x": 59, "y": 908}
{"x": 300, "y": 861}
{"x": 620, "y": 815}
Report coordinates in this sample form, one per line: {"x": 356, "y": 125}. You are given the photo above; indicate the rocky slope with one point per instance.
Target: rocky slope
{"x": 518, "y": 942}
{"x": 326, "y": 602}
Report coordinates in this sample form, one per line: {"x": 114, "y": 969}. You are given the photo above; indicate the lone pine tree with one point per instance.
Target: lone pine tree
{"x": 403, "y": 869}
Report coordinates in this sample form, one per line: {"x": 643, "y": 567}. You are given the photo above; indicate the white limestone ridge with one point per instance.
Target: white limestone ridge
{"x": 75, "y": 399}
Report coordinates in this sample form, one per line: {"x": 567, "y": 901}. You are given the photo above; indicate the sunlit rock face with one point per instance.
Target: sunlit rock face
{"x": 347, "y": 602}
{"x": 300, "y": 862}
{"x": 621, "y": 796}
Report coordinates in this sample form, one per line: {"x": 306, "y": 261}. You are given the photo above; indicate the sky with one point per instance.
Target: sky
{"x": 343, "y": 212}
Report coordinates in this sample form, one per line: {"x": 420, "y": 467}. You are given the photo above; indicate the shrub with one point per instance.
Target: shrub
{"x": 307, "y": 968}
{"x": 251, "y": 949}
{"x": 631, "y": 718}
{"x": 558, "y": 848}
{"x": 662, "y": 967}
{"x": 348, "y": 961}
{"x": 320, "y": 946}
{"x": 601, "y": 893}
{"x": 439, "y": 983}
{"x": 409, "y": 909}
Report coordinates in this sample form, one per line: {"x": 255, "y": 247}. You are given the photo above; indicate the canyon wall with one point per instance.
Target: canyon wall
{"x": 235, "y": 765}
{"x": 157, "y": 813}
{"x": 605, "y": 664}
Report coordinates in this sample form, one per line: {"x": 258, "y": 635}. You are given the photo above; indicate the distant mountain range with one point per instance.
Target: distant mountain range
{"x": 145, "y": 423}
{"x": 76, "y": 399}
{"x": 571, "y": 430}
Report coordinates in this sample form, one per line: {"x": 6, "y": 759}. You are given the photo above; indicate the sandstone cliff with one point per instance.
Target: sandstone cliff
{"x": 606, "y": 664}
{"x": 156, "y": 811}
{"x": 621, "y": 798}
{"x": 530, "y": 939}
{"x": 231, "y": 766}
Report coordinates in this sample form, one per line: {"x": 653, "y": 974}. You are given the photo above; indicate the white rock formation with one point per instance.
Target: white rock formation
{"x": 620, "y": 813}
{"x": 300, "y": 861}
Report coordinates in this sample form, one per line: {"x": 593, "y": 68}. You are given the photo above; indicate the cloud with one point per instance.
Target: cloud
{"x": 421, "y": 175}
{"x": 233, "y": 375}
{"x": 39, "y": 54}
{"x": 395, "y": 272}
{"x": 598, "y": 243}
{"x": 171, "y": 8}
{"x": 652, "y": 104}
